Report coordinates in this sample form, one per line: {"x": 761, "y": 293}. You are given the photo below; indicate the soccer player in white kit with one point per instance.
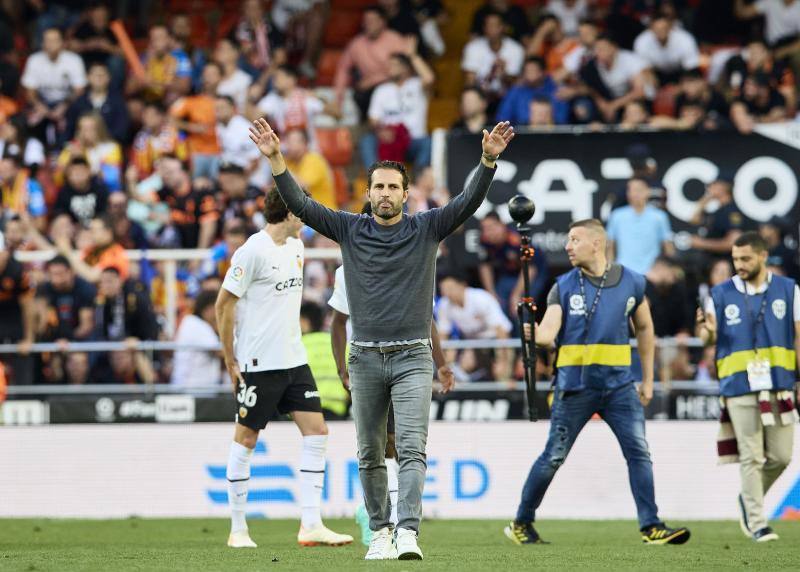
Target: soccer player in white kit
{"x": 258, "y": 315}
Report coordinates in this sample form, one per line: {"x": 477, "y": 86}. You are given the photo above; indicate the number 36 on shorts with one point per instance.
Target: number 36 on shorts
{"x": 247, "y": 395}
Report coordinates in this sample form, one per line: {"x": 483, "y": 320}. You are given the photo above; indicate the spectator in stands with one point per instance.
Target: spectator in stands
{"x": 166, "y": 78}
{"x": 93, "y": 143}
{"x": 759, "y": 103}
{"x": 669, "y": 299}
{"x": 193, "y": 208}
{"x": 191, "y": 59}
{"x": 302, "y": 24}
{"x": 781, "y": 258}
{"x": 309, "y": 168}
{"x": 720, "y": 227}
{"x": 697, "y": 105}
{"x": 398, "y": 113}
{"x": 668, "y": 49}
{"x": 472, "y": 313}
{"x": 569, "y": 13}
{"x": 195, "y": 115}
{"x": 540, "y": 113}
{"x": 239, "y": 200}
{"x": 157, "y": 138}
{"x": 53, "y": 79}
{"x": 781, "y": 25}
{"x": 615, "y": 77}
{"x": 96, "y": 43}
{"x": 492, "y": 61}
{"x": 77, "y": 368}
{"x": 289, "y": 106}
{"x": 501, "y": 268}
{"x": 753, "y": 59}
{"x": 262, "y": 45}
{"x": 128, "y": 233}
{"x": 122, "y": 309}
{"x": 473, "y": 110}
{"x": 431, "y": 15}
{"x": 235, "y": 83}
{"x": 535, "y": 84}
{"x": 83, "y": 196}
{"x": 233, "y": 134}
{"x": 15, "y": 139}
{"x": 198, "y": 368}
{"x": 127, "y": 366}
{"x": 638, "y": 233}
{"x": 212, "y": 271}
{"x": 635, "y": 115}
{"x": 18, "y": 322}
{"x": 512, "y": 16}
{"x": 99, "y": 98}
{"x": 102, "y": 252}
{"x": 551, "y": 43}
{"x": 368, "y": 55}
{"x": 65, "y": 304}
{"x": 21, "y": 194}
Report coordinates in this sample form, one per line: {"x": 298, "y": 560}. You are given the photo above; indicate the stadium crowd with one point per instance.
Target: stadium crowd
{"x": 123, "y": 126}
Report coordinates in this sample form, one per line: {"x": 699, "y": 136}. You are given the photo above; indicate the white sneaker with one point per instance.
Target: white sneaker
{"x": 381, "y": 547}
{"x": 241, "y": 539}
{"x": 407, "y": 548}
{"x": 321, "y": 535}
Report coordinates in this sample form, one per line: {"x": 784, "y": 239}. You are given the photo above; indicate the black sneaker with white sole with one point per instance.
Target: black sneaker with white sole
{"x": 765, "y": 534}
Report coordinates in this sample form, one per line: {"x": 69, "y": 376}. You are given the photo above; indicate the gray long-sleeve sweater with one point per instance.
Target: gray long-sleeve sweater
{"x": 389, "y": 270}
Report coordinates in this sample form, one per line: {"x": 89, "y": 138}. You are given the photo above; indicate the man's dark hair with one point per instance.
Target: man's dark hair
{"x": 58, "y": 260}
{"x": 157, "y": 105}
{"x": 753, "y": 240}
{"x": 453, "y": 275}
{"x": 608, "y": 38}
{"x": 204, "y": 299}
{"x": 590, "y": 223}
{"x": 275, "y": 210}
{"x": 313, "y": 313}
{"x": 288, "y": 70}
{"x": 391, "y": 166}
{"x": 543, "y": 99}
{"x": 367, "y": 208}
{"x": 112, "y": 270}
{"x": 14, "y": 156}
{"x": 237, "y": 229}
{"x": 377, "y": 9}
{"x": 227, "y": 98}
{"x": 536, "y": 60}
{"x": 299, "y": 130}
{"x": 97, "y": 65}
{"x": 478, "y": 91}
{"x": 78, "y": 160}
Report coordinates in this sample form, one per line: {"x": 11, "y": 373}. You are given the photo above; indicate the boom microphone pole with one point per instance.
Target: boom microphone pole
{"x": 521, "y": 209}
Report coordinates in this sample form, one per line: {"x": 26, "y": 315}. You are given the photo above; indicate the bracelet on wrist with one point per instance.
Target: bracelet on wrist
{"x": 489, "y": 157}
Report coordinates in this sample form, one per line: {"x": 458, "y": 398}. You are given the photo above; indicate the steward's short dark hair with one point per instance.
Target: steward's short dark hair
{"x": 58, "y": 260}
{"x": 391, "y": 166}
{"x": 275, "y": 210}
{"x": 752, "y": 239}
{"x": 589, "y": 223}
{"x": 204, "y": 299}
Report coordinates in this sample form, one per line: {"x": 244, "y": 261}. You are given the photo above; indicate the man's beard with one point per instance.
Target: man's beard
{"x": 748, "y": 276}
{"x": 386, "y": 213}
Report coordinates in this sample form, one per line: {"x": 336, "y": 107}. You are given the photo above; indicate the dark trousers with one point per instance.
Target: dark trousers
{"x": 621, "y": 409}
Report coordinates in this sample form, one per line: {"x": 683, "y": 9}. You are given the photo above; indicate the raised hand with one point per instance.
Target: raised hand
{"x": 495, "y": 142}
{"x": 265, "y": 138}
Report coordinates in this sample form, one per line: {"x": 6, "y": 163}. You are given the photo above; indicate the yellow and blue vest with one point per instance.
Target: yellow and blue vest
{"x": 332, "y": 393}
{"x": 601, "y": 357}
{"x": 774, "y": 337}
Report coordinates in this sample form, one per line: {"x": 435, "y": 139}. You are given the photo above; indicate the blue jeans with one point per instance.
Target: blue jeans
{"x": 205, "y": 165}
{"x": 622, "y": 410}
{"x": 405, "y": 377}
{"x": 419, "y": 152}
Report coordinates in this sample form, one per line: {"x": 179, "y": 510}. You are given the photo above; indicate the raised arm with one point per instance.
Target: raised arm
{"x": 459, "y": 209}
{"x": 327, "y": 222}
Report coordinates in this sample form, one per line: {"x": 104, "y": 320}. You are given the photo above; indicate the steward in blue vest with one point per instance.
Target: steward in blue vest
{"x": 754, "y": 318}
{"x": 589, "y": 312}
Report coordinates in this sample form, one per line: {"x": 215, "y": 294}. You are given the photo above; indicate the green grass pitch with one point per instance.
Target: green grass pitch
{"x": 195, "y": 545}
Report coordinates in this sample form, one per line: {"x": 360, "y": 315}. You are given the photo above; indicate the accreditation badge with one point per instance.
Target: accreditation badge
{"x": 759, "y": 374}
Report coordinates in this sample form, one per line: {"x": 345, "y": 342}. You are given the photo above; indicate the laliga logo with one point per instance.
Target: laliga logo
{"x": 576, "y": 305}
{"x": 779, "y": 309}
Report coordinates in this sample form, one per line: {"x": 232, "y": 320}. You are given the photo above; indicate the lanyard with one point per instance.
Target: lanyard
{"x": 589, "y": 313}
{"x": 760, "y": 316}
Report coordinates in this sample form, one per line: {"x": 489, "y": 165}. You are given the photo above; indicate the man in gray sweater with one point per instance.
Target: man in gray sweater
{"x": 389, "y": 267}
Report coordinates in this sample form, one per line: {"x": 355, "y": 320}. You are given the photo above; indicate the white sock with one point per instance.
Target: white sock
{"x": 312, "y": 477}
{"x": 238, "y": 475}
{"x": 392, "y": 470}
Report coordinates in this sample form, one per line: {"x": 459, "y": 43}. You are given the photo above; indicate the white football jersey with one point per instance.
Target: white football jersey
{"x": 268, "y": 280}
